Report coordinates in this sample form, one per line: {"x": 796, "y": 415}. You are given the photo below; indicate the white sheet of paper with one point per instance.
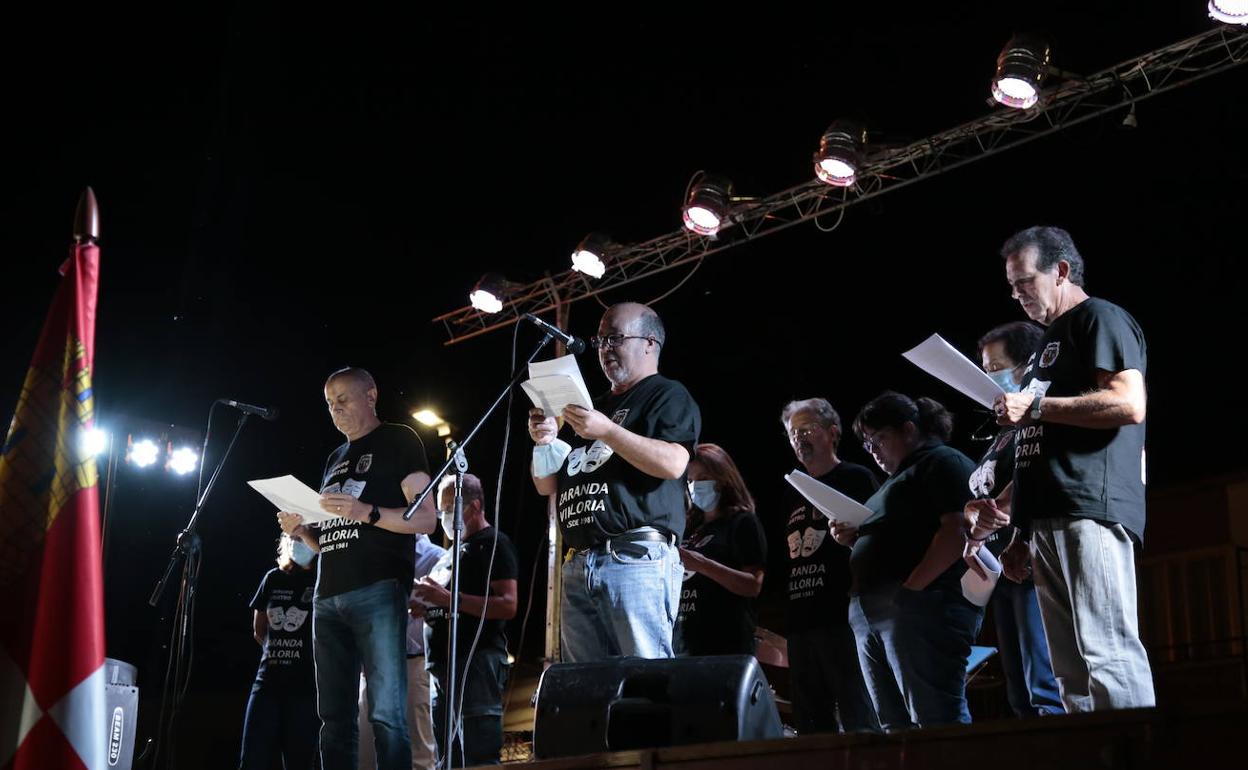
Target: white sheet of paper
{"x": 833, "y": 504}
{"x": 554, "y": 384}
{"x": 977, "y": 590}
{"x": 943, "y": 361}
{"x": 290, "y": 494}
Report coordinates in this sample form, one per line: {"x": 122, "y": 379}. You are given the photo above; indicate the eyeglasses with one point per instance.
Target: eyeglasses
{"x": 615, "y": 340}
{"x": 797, "y": 434}
{"x": 870, "y": 443}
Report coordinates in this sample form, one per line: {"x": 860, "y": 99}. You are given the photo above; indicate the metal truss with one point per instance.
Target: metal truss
{"x": 1073, "y": 101}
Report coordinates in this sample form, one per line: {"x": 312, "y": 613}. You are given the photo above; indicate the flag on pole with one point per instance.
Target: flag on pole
{"x": 52, "y": 707}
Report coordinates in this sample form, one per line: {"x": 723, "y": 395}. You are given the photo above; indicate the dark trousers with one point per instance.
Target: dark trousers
{"x": 913, "y": 646}
{"x": 826, "y": 681}
{"x": 1029, "y": 683}
{"x": 278, "y": 721}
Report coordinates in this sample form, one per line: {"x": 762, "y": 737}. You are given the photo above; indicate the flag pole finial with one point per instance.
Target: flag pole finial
{"x": 87, "y": 217}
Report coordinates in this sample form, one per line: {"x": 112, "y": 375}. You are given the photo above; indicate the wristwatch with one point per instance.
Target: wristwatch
{"x": 1035, "y": 408}
{"x": 374, "y": 515}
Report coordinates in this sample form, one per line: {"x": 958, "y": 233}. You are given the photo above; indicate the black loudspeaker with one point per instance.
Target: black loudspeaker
{"x": 122, "y": 697}
{"x": 632, "y": 703}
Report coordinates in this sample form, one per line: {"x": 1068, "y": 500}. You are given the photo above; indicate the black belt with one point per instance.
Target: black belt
{"x": 643, "y": 536}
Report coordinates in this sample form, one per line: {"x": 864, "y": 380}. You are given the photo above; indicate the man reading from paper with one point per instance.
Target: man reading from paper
{"x": 621, "y": 495}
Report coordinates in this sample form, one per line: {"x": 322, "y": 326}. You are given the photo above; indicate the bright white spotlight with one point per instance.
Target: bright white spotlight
{"x": 590, "y": 255}
{"x": 144, "y": 452}
{"x": 93, "y": 441}
{"x": 428, "y": 417}
{"x": 485, "y": 302}
{"x": 708, "y": 205}
{"x": 840, "y": 154}
{"x": 1021, "y": 69}
{"x": 183, "y": 461}
{"x": 1229, "y": 11}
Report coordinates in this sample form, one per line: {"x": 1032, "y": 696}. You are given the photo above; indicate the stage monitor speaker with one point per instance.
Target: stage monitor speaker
{"x": 122, "y": 698}
{"x": 633, "y": 703}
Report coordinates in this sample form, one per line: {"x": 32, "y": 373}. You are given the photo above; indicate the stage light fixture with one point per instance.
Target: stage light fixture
{"x": 488, "y": 293}
{"x": 142, "y": 453}
{"x": 840, "y": 154}
{"x": 1021, "y": 69}
{"x": 92, "y": 442}
{"x": 708, "y": 204}
{"x": 1229, "y": 11}
{"x": 182, "y": 461}
{"x": 590, "y": 256}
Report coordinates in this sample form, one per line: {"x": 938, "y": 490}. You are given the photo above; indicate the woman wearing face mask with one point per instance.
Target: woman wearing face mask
{"x": 723, "y": 553}
{"x": 913, "y": 627}
{"x": 281, "y": 713}
{"x": 1029, "y": 683}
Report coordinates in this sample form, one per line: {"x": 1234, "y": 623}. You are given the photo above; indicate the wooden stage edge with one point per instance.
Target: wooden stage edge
{"x": 1208, "y": 739}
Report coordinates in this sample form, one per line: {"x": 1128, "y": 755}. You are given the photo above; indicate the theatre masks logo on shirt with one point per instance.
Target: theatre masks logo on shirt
{"x": 589, "y": 459}
{"x": 288, "y": 619}
{"x": 803, "y": 544}
{"x": 984, "y": 479}
{"x": 364, "y": 463}
{"x": 1049, "y": 356}
{"x": 618, "y": 417}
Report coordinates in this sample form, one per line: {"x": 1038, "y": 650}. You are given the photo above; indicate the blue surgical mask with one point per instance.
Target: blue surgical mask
{"x": 548, "y": 459}
{"x": 301, "y": 554}
{"x": 705, "y": 494}
{"x": 1005, "y": 379}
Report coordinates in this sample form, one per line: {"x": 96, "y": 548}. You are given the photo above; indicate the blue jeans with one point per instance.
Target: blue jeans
{"x": 913, "y": 646}
{"x": 620, "y": 600}
{"x": 279, "y": 720}
{"x": 1085, "y": 581}
{"x": 365, "y": 628}
{"x": 1029, "y": 683}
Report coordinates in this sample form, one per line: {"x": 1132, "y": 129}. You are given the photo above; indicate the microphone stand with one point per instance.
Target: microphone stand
{"x": 187, "y": 551}
{"x": 459, "y": 460}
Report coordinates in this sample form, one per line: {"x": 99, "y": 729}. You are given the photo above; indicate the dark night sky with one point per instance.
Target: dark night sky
{"x": 285, "y": 192}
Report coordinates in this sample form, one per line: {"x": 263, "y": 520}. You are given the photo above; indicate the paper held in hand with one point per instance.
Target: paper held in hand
{"x": 554, "y": 384}
{"x": 290, "y": 494}
{"x": 976, "y": 589}
{"x": 943, "y": 361}
{"x": 833, "y": 504}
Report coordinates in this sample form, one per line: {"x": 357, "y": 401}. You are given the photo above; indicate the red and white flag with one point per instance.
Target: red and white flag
{"x": 52, "y": 707}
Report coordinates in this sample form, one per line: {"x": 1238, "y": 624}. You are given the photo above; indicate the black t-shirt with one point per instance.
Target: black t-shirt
{"x": 818, "y": 565}
{"x": 601, "y": 495}
{"x": 1062, "y": 470}
{"x": 931, "y": 482}
{"x": 714, "y": 620}
{"x": 371, "y": 469}
{"x": 286, "y": 599}
{"x": 474, "y": 562}
{"x": 994, "y": 472}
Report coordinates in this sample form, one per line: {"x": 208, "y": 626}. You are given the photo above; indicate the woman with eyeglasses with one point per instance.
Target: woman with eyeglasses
{"x": 724, "y": 553}
{"x": 913, "y": 627}
{"x": 1029, "y": 683}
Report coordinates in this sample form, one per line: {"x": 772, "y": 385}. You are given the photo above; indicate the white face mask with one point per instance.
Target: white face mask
{"x": 1005, "y": 379}
{"x": 301, "y": 554}
{"x": 548, "y": 459}
{"x": 705, "y": 494}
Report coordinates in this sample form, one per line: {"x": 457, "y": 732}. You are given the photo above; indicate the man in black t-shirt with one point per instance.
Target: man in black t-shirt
{"x": 621, "y": 495}
{"x": 366, "y": 563}
{"x": 825, "y": 675}
{"x": 487, "y": 589}
{"x": 1078, "y": 486}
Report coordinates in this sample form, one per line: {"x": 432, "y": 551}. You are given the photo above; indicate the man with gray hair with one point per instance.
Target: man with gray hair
{"x": 824, "y": 670}
{"x": 1078, "y": 492}
{"x": 621, "y": 494}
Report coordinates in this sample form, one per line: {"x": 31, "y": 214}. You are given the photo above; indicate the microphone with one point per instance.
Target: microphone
{"x": 259, "y": 411}
{"x": 575, "y": 345}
